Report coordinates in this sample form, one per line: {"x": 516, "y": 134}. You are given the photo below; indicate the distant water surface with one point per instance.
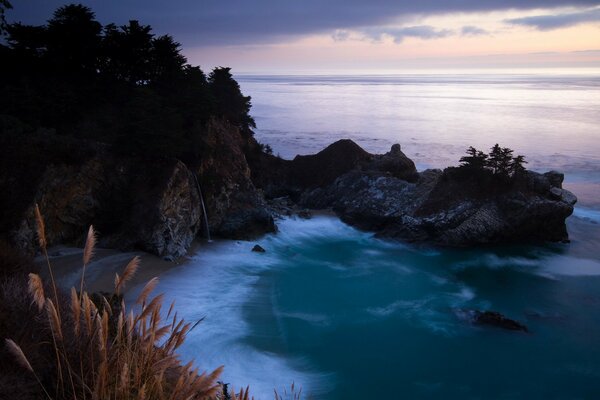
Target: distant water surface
{"x": 347, "y": 316}
{"x": 553, "y": 119}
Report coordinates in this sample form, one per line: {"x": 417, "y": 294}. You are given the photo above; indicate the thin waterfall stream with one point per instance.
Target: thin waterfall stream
{"x": 208, "y": 239}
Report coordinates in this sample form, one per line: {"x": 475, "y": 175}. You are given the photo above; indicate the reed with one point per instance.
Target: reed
{"x": 103, "y": 351}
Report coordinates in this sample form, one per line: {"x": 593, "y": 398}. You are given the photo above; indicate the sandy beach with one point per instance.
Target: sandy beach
{"x": 100, "y": 273}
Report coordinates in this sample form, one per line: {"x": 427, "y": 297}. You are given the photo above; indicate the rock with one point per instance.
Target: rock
{"x": 396, "y": 163}
{"x": 258, "y": 249}
{"x": 235, "y": 208}
{"x": 555, "y": 178}
{"x": 323, "y": 168}
{"x": 452, "y": 207}
{"x": 151, "y": 206}
{"x": 490, "y": 318}
{"x": 150, "y": 203}
{"x": 305, "y": 214}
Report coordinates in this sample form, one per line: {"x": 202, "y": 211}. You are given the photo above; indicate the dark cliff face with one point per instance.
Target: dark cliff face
{"x": 150, "y": 203}
{"x": 235, "y": 208}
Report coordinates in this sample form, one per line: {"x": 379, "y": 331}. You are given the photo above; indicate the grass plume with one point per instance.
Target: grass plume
{"x": 98, "y": 349}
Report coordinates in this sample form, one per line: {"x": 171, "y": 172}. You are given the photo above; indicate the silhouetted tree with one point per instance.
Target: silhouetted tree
{"x": 127, "y": 52}
{"x": 517, "y": 166}
{"x": 4, "y": 5}
{"x": 230, "y": 101}
{"x": 73, "y": 39}
{"x": 27, "y": 39}
{"x": 166, "y": 61}
{"x": 117, "y": 84}
{"x": 475, "y": 159}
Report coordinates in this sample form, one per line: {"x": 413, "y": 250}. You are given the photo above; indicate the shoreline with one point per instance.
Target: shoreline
{"x": 67, "y": 264}
{"x": 100, "y": 272}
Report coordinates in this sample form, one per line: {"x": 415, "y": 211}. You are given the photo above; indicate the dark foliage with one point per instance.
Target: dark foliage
{"x": 120, "y": 85}
{"x": 4, "y": 5}
{"x": 499, "y": 162}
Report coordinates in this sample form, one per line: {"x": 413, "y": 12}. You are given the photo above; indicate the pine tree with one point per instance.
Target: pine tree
{"x": 475, "y": 159}
{"x": 517, "y": 166}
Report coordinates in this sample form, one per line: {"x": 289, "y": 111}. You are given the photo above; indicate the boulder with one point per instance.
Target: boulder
{"x": 492, "y": 319}
{"x": 258, "y": 249}
{"x": 395, "y": 163}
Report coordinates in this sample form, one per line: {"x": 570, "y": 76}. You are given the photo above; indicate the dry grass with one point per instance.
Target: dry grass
{"x": 102, "y": 351}
{"x": 98, "y": 350}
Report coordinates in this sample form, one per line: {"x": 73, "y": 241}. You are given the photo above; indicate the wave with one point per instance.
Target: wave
{"x": 587, "y": 214}
{"x": 216, "y": 284}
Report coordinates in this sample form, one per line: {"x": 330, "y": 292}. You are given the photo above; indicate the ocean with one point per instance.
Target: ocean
{"x": 344, "y": 315}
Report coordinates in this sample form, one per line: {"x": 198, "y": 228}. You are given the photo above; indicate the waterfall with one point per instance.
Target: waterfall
{"x": 203, "y": 209}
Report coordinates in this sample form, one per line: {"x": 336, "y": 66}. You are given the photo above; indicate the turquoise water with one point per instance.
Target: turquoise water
{"x": 347, "y": 316}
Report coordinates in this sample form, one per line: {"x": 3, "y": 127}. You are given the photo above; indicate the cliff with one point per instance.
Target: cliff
{"x": 150, "y": 203}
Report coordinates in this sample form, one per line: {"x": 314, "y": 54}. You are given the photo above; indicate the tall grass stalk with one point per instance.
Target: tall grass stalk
{"x": 119, "y": 354}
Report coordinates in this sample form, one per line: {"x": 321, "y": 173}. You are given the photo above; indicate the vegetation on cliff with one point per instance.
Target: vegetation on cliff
{"x": 121, "y": 85}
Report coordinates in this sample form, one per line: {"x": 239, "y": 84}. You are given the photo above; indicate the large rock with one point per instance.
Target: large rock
{"x": 152, "y": 206}
{"x": 278, "y": 177}
{"x": 235, "y": 208}
{"x": 323, "y": 168}
{"x": 452, "y": 207}
{"x": 396, "y": 164}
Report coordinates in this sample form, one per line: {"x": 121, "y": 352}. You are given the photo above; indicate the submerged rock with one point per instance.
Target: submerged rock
{"x": 491, "y": 318}
{"x": 258, "y": 249}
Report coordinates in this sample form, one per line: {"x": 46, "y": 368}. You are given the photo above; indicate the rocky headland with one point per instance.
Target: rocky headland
{"x": 454, "y": 207}
{"x": 155, "y": 204}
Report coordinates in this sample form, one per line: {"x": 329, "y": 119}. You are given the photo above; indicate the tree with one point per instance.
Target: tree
{"x": 517, "y": 166}
{"x": 476, "y": 159}
{"x": 505, "y": 161}
{"x": 166, "y": 61}
{"x": 230, "y": 101}
{"x": 127, "y": 52}
{"x": 27, "y": 39}
{"x": 4, "y": 5}
{"x": 73, "y": 39}
{"x": 494, "y": 158}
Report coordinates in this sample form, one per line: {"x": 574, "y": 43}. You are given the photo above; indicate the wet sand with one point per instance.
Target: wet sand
{"x": 100, "y": 273}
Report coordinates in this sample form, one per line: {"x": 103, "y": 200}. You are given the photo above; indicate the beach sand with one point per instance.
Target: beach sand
{"x": 100, "y": 273}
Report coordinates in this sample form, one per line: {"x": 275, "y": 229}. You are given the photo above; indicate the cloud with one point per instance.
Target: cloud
{"x": 340, "y": 35}
{"x": 557, "y": 21}
{"x": 470, "y": 30}
{"x": 399, "y": 34}
{"x": 234, "y": 22}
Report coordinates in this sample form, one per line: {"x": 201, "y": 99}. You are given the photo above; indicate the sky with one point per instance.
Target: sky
{"x": 348, "y": 36}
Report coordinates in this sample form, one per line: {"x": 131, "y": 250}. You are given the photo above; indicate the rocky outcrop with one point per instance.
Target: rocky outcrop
{"x": 279, "y": 178}
{"x": 235, "y": 208}
{"x": 154, "y": 207}
{"x": 150, "y": 203}
{"x": 455, "y": 207}
{"x": 490, "y": 318}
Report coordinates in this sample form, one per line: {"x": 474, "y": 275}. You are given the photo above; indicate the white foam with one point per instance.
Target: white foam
{"x": 587, "y": 214}
{"x": 571, "y": 266}
{"x": 217, "y": 284}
